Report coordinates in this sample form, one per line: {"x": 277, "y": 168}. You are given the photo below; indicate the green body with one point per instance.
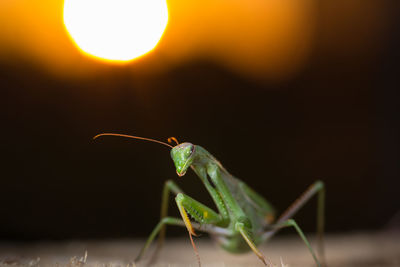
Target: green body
{"x": 235, "y": 201}
{"x": 243, "y": 219}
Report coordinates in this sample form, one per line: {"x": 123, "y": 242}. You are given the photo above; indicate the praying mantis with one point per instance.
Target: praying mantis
{"x": 243, "y": 220}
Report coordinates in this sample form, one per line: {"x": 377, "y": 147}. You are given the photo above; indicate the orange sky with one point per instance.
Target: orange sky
{"x": 265, "y": 39}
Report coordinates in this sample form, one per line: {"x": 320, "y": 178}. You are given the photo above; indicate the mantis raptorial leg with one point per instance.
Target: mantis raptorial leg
{"x": 199, "y": 212}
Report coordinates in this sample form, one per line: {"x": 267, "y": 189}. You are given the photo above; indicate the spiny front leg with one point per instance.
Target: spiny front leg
{"x": 199, "y": 213}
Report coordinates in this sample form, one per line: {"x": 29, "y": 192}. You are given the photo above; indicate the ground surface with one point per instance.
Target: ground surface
{"x": 363, "y": 250}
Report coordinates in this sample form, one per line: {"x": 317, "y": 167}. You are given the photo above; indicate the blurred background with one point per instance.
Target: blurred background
{"x": 282, "y": 92}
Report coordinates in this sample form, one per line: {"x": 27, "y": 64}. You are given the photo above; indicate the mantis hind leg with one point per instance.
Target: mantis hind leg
{"x": 285, "y": 219}
{"x": 160, "y": 229}
{"x": 292, "y": 223}
{"x": 168, "y": 187}
{"x": 164, "y": 221}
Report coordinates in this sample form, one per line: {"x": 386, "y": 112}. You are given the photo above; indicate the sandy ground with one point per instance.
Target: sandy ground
{"x": 360, "y": 249}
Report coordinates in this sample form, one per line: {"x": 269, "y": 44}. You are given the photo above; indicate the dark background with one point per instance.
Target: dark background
{"x": 335, "y": 120}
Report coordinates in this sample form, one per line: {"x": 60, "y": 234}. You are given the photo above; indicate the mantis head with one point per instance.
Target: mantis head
{"x": 183, "y": 156}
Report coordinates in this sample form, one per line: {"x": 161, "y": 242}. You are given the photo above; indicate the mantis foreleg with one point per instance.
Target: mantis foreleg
{"x": 206, "y": 217}
{"x": 199, "y": 212}
{"x": 171, "y": 186}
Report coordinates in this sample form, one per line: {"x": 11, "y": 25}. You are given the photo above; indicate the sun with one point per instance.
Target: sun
{"x": 117, "y": 30}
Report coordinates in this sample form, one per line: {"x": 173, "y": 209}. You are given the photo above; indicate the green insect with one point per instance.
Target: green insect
{"x": 243, "y": 220}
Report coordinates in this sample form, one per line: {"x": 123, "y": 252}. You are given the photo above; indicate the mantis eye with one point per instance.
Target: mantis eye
{"x": 190, "y": 152}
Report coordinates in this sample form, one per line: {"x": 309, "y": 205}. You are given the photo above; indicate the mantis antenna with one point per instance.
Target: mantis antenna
{"x": 135, "y": 137}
